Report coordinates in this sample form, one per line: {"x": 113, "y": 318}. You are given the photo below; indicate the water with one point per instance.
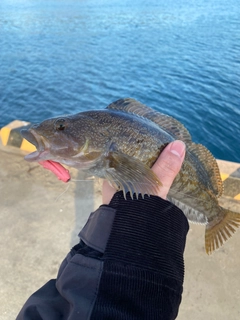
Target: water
{"x": 179, "y": 57}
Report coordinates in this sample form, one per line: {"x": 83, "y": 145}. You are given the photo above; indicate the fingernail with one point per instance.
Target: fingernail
{"x": 178, "y": 148}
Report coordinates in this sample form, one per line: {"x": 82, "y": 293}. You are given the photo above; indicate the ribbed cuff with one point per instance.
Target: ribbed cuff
{"x": 149, "y": 233}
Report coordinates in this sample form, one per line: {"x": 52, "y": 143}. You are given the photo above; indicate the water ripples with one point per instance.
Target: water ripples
{"x": 180, "y": 58}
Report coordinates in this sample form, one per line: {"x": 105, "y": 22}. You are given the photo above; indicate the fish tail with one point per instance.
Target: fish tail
{"x": 219, "y": 231}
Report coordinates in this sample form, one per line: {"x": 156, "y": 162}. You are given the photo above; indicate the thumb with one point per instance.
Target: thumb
{"x": 168, "y": 165}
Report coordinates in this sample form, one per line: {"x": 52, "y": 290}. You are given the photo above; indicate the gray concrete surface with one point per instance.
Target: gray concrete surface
{"x": 39, "y": 221}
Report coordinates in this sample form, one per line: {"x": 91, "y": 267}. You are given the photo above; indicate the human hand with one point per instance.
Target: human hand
{"x": 166, "y": 168}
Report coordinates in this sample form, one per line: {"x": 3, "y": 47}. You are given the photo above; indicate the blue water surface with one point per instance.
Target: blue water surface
{"x": 179, "y": 57}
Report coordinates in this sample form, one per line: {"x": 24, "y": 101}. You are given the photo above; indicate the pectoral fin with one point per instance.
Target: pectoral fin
{"x": 131, "y": 175}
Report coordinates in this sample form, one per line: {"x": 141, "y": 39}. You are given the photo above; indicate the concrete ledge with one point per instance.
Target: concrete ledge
{"x": 230, "y": 173}
{"x": 11, "y": 136}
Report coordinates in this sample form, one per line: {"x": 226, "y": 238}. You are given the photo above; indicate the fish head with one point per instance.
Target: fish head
{"x": 62, "y": 139}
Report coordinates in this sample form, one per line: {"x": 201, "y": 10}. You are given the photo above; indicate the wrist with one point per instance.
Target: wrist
{"x": 149, "y": 232}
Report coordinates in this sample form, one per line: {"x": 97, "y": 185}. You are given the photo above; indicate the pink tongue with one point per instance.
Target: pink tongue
{"x": 57, "y": 169}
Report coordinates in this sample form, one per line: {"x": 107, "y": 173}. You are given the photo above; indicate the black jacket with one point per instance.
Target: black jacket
{"x": 128, "y": 265}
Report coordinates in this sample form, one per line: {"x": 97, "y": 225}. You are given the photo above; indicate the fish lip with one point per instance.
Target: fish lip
{"x": 38, "y": 141}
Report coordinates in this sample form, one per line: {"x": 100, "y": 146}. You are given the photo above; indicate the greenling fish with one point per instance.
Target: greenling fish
{"x": 121, "y": 143}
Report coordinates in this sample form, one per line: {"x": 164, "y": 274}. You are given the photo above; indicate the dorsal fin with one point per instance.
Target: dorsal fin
{"x": 167, "y": 123}
{"x": 210, "y": 165}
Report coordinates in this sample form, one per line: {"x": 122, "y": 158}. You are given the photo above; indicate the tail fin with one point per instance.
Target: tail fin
{"x": 217, "y": 234}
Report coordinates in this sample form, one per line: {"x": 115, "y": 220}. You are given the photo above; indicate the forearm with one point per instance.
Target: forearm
{"x": 143, "y": 265}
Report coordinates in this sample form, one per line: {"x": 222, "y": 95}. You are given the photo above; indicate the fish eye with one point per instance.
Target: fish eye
{"x": 60, "y": 124}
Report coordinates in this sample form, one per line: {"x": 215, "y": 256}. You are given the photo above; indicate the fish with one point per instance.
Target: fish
{"x": 121, "y": 143}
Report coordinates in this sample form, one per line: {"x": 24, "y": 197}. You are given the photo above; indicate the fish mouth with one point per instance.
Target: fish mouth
{"x": 38, "y": 141}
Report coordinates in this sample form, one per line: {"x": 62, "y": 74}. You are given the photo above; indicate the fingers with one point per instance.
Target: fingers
{"x": 168, "y": 165}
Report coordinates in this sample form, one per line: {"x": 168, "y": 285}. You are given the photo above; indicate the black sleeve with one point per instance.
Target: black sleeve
{"x": 128, "y": 265}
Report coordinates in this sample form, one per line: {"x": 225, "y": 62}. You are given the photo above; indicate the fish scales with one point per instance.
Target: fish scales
{"x": 121, "y": 143}
{"x": 195, "y": 190}
{"x": 132, "y": 135}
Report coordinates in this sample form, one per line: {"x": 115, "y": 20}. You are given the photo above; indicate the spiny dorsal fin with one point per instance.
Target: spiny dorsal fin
{"x": 169, "y": 124}
{"x": 210, "y": 165}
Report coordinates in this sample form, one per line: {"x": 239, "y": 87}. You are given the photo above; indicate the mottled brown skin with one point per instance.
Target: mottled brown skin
{"x": 192, "y": 184}
{"x": 104, "y": 130}
{"x": 134, "y": 136}
{"x": 137, "y": 137}
{"x": 106, "y": 142}
{"x": 130, "y": 135}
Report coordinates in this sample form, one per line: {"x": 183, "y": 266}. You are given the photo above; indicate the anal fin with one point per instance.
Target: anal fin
{"x": 191, "y": 214}
{"x": 131, "y": 175}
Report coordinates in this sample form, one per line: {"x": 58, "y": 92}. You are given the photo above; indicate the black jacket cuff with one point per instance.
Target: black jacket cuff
{"x": 150, "y": 233}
